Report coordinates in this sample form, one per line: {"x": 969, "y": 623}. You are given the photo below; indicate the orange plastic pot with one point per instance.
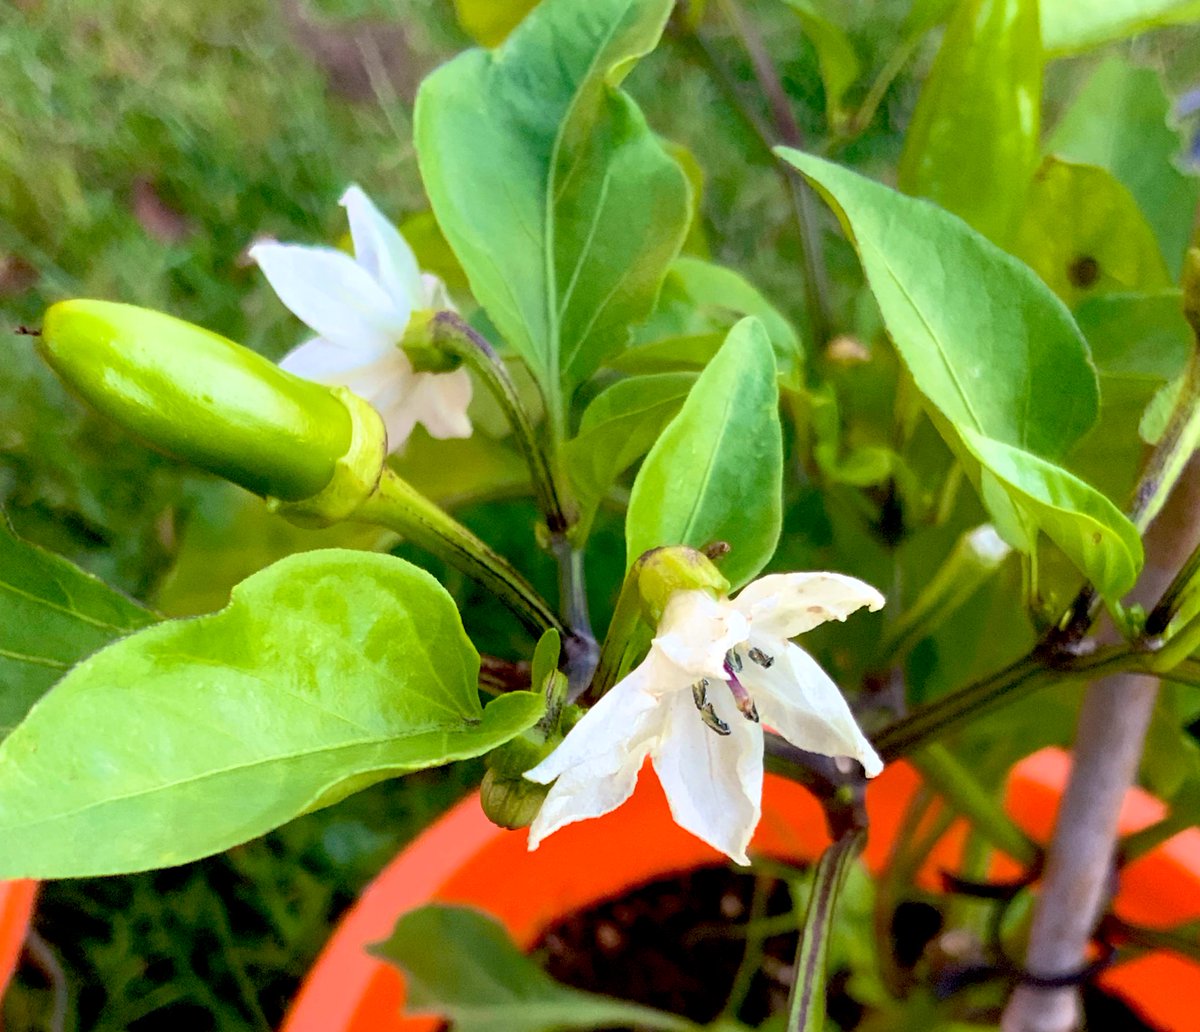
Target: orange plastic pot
{"x": 458, "y": 858}
{"x": 16, "y": 908}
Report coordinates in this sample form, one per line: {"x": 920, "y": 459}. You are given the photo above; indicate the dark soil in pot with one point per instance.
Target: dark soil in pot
{"x": 677, "y": 944}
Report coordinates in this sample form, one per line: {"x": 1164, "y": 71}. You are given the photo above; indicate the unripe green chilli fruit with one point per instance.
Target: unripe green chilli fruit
{"x": 202, "y": 398}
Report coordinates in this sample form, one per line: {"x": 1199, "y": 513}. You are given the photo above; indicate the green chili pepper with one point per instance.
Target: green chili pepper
{"x": 200, "y": 397}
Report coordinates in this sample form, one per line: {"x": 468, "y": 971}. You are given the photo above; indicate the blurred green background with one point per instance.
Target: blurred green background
{"x": 143, "y": 145}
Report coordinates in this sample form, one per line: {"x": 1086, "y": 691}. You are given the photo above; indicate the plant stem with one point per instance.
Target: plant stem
{"x": 1112, "y": 727}
{"x": 1184, "y": 940}
{"x": 784, "y": 130}
{"x": 400, "y": 507}
{"x": 816, "y": 278}
{"x": 960, "y": 789}
{"x": 806, "y": 1008}
{"x": 581, "y": 651}
{"x": 752, "y": 952}
{"x": 454, "y": 335}
{"x": 879, "y": 87}
{"x": 1015, "y": 681}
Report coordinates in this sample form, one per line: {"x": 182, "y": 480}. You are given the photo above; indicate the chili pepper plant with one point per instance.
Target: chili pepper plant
{"x": 951, "y": 454}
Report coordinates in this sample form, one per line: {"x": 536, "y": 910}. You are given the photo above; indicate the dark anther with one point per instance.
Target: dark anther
{"x": 1083, "y": 272}
{"x": 716, "y": 549}
{"x": 27, "y": 331}
{"x": 707, "y": 713}
{"x": 761, "y": 658}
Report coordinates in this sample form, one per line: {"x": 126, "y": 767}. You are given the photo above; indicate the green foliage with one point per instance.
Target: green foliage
{"x": 1084, "y": 234}
{"x": 482, "y": 982}
{"x": 972, "y": 144}
{"x": 999, "y": 359}
{"x": 327, "y": 672}
{"x": 52, "y": 615}
{"x": 716, "y": 472}
{"x": 1069, "y": 26}
{"x": 836, "y": 55}
{"x": 1119, "y": 122}
{"x": 594, "y": 208}
{"x": 488, "y": 22}
{"x": 617, "y": 429}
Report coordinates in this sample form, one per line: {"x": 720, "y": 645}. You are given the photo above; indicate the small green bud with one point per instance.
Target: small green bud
{"x": 202, "y": 398}
{"x": 663, "y": 571}
{"x": 511, "y": 802}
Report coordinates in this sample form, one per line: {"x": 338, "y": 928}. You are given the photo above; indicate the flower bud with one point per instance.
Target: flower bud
{"x": 511, "y": 802}
{"x": 202, "y": 398}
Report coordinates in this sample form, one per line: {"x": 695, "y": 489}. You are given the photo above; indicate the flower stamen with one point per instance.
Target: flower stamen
{"x": 745, "y": 704}
{"x": 707, "y": 713}
{"x": 761, "y": 658}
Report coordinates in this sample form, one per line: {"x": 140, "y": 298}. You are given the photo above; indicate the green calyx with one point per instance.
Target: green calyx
{"x": 423, "y": 346}
{"x": 199, "y": 397}
{"x": 663, "y": 571}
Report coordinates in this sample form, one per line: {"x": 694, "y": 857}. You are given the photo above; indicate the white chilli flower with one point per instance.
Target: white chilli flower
{"x": 360, "y": 308}
{"x": 716, "y": 668}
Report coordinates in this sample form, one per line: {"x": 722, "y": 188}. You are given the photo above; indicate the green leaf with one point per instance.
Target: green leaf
{"x": 52, "y": 615}
{"x": 972, "y": 144}
{"x": 231, "y": 534}
{"x": 1069, "y": 26}
{"x": 699, "y": 304}
{"x": 670, "y": 355}
{"x": 1093, "y": 533}
{"x": 836, "y": 57}
{"x": 462, "y": 964}
{"x": 716, "y": 473}
{"x": 1084, "y": 234}
{"x": 1140, "y": 343}
{"x": 1119, "y": 122}
{"x": 562, "y": 206}
{"x": 327, "y": 672}
{"x": 488, "y": 22}
{"x": 986, "y": 341}
{"x": 618, "y": 428}
{"x": 1000, "y": 360}
{"x": 861, "y": 465}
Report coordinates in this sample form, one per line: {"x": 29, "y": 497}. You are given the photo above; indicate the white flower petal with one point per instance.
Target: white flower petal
{"x": 696, "y": 630}
{"x": 620, "y": 726}
{"x": 782, "y": 605}
{"x": 577, "y": 797}
{"x": 596, "y": 766}
{"x": 392, "y": 399}
{"x": 323, "y": 361}
{"x": 380, "y": 248}
{"x": 434, "y": 294}
{"x": 440, "y": 401}
{"x": 713, "y": 782}
{"x": 332, "y": 294}
{"x": 800, "y": 701}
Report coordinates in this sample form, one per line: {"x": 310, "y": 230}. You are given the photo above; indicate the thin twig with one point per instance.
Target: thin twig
{"x": 702, "y": 52}
{"x": 816, "y": 278}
